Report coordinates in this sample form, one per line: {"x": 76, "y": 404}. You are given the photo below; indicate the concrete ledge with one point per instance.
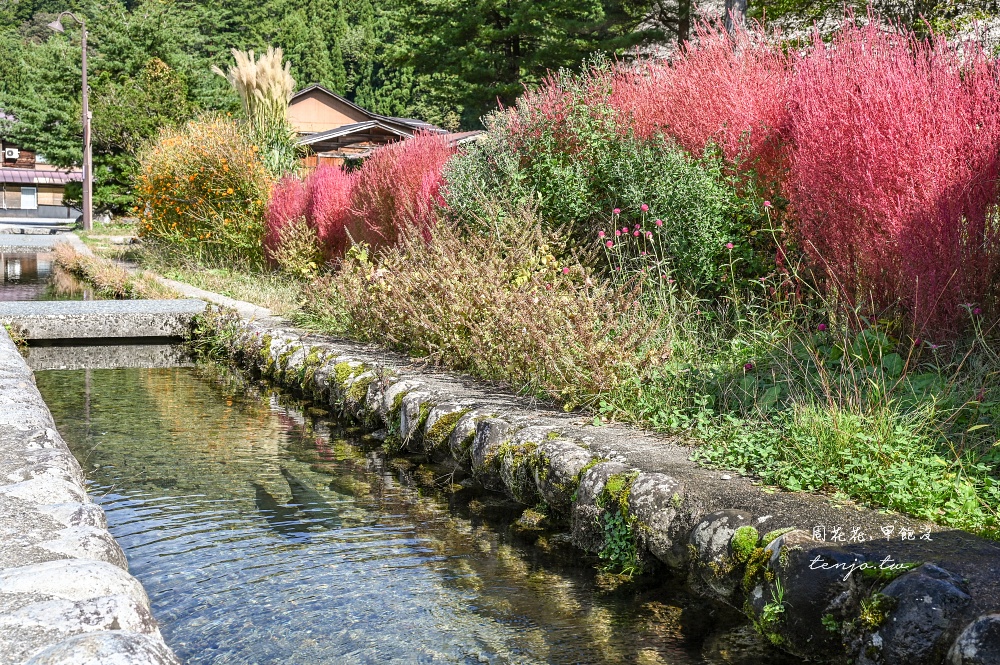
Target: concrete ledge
{"x": 65, "y": 592}
{"x": 100, "y": 319}
{"x": 114, "y": 356}
{"x": 828, "y": 581}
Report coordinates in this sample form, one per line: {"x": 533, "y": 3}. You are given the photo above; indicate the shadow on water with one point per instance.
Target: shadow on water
{"x": 311, "y": 502}
{"x": 265, "y": 533}
{"x": 283, "y": 519}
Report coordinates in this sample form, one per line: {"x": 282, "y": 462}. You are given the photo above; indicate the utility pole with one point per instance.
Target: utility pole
{"x": 88, "y": 158}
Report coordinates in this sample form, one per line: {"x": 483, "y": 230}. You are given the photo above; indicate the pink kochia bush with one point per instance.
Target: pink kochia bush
{"x": 398, "y": 188}
{"x": 893, "y": 172}
{"x": 328, "y": 194}
{"x": 287, "y": 204}
{"x": 887, "y": 149}
{"x": 731, "y": 92}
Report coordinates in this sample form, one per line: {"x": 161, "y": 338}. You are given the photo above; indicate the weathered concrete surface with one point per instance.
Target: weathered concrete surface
{"x": 30, "y": 243}
{"x": 733, "y": 539}
{"x": 246, "y": 310}
{"x": 65, "y": 592}
{"x": 114, "y": 356}
{"x": 100, "y": 319}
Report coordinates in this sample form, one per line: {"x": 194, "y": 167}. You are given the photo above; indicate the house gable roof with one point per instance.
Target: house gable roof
{"x": 356, "y": 128}
{"x": 407, "y": 124}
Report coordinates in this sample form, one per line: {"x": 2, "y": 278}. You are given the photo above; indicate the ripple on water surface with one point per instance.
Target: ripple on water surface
{"x": 262, "y": 537}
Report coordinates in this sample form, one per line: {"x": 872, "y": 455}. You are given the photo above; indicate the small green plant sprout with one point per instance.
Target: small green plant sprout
{"x": 16, "y": 336}
{"x": 618, "y": 525}
{"x": 875, "y": 610}
{"x": 830, "y": 623}
{"x": 772, "y": 613}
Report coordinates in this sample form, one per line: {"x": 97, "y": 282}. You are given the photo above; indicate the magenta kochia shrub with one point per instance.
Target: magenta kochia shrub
{"x": 396, "y": 189}
{"x": 328, "y": 213}
{"x": 887, "y": 149}
{"x": 893, "y": 173}
{"x": 727, "y": 91}
{"x": 286, "y": 206}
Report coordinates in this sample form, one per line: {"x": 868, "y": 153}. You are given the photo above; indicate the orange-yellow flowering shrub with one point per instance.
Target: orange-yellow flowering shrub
{"x": 204, "y": 188}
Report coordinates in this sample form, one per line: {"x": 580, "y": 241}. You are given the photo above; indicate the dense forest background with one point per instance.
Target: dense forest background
{"x": 445, "y": 61}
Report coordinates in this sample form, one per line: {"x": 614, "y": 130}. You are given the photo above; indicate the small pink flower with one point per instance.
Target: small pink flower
{"x": 649, "y": 234}
{"x": 918, "y": 342}
{"x": 642, "y": 253}
{"x": 636, "y": 227}
{"x": 644, "y": 207}
{"x": 617, "y": 232}
{"x": 566, "y": 270}
{"x": 977, "y": 311}
{"x": 729, "y": 245}
{"x": 659, "y": 222}
{"x": 617, "y": 211}
{"x": 624, "y": 229}
{"x": 821, "y": 327}
{"x": 600, "y": 234}
{"x": 767, "y": 204}
{"x": 670, "y": 281}
{"x": 548, "y": 287}
{"x": 635, "y": 233}
{"x": 610, "y": 244}
{"x": 748, "y": 366}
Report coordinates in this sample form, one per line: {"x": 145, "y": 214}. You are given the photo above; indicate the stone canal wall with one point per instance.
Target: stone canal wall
{"x": 66, "y": 596}
{"x": 822, "y": 578}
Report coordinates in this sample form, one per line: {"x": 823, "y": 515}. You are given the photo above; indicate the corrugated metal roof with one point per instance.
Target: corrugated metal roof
{"x": 346, "y": 130}
{"x": 36, "y": 177}
{"x": 461, "y": 138}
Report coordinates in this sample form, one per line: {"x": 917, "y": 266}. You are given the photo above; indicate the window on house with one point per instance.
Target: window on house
{"x": 29, "y": 198}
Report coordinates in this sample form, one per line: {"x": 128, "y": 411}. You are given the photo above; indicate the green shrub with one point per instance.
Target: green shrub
{"x": 578, "y": 168}
{"x": 298, "y": 251}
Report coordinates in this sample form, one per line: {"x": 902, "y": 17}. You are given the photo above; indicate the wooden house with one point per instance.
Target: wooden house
{"x": 31, "y": 188}
{"x": 337, "y": 130}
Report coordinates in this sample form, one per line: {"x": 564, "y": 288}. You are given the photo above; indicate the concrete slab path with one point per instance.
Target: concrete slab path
{"x": 100, "y": 319}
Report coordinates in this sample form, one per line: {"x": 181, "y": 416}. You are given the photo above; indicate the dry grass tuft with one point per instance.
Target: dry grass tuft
{"x": 511, "y": 314}
{"x": 110, "y": 279}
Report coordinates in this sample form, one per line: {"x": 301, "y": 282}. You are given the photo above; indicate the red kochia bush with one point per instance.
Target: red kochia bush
{"x": 893, "y": 173}
{"x": 287, "y": 203}
{"x": 722, "y": 90}
{"x": 328, "y": 190}
{"x": 398, "y": 188}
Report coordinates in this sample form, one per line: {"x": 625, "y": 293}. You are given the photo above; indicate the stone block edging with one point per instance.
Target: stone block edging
{"x": 909, "y": 600}
{"x": 66, "y": 596}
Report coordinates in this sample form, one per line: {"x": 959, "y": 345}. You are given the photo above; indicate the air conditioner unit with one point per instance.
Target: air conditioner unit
{"x": 11, "y": 154}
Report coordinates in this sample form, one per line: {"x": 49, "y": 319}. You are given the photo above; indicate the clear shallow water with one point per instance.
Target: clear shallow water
{"x": 25, "y": 276}
{"x": 265, "y": 536}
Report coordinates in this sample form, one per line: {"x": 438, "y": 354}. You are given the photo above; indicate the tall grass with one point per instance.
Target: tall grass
{"x": 265, "y": 87}
{"x": 109, "y": 279}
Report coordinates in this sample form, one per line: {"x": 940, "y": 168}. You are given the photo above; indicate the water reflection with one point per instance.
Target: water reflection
{"x": 34, "y": 276}
{"x": 264, "y": 536}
